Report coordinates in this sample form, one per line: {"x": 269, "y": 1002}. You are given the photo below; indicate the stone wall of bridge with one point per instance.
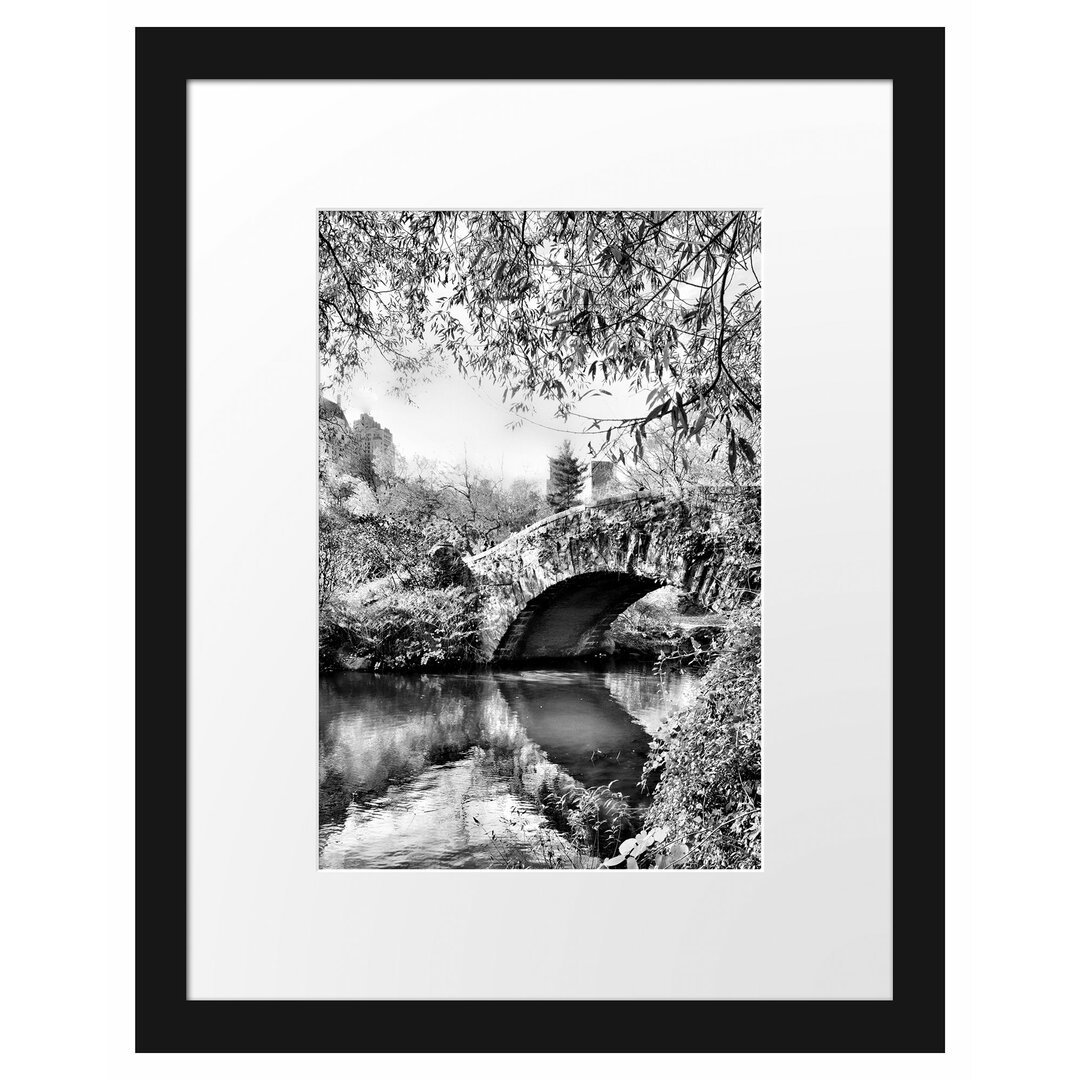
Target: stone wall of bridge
{"x": 555, "y": 588}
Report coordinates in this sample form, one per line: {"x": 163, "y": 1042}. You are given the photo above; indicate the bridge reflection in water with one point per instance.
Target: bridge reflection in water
{"x": 416, "y": 771}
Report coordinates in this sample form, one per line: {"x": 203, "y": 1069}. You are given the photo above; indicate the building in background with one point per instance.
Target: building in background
{"x": 364, "y": 449}
{"x": 375, "y": 444}
{"x": 336, "y": 442}
{"x": 600, "y": 481}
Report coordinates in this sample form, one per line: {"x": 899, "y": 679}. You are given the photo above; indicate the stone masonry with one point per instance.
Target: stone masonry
{"x": 554, "y": 588}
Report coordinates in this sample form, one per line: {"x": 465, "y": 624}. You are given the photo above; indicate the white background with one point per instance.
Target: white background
{"x": 67, "y": 988}
{"x": 816, "y": 157}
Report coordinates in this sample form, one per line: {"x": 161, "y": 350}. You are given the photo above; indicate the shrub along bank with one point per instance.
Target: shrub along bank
{"x": 405, "y": 629}
{"x": 430, "y": 620}
{"x": 709, "y": 794}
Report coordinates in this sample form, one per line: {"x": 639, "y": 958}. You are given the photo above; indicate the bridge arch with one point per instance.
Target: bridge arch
{"x": 554, "y": 589}
{"x": 571, "y": 617}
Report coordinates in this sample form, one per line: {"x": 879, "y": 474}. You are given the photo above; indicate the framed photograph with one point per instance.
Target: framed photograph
{"x": 552, "y": 586}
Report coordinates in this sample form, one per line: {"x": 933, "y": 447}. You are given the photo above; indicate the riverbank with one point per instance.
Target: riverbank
{"x": 406, "y": 629}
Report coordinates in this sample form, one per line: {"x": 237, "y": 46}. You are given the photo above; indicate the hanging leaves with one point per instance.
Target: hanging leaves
{"x": 551, "y": 305}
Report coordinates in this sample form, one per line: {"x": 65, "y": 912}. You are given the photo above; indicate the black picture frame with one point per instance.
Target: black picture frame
{"x": 913, "y": 59}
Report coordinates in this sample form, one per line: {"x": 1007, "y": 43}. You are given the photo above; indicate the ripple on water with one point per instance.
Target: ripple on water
{"x": 417, "y": 771}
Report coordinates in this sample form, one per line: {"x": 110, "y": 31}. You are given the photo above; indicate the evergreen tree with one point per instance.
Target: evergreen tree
{"x": 566, "y": 480}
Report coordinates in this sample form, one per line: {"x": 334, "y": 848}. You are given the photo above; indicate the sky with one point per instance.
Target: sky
{"x": 452, "y": 416}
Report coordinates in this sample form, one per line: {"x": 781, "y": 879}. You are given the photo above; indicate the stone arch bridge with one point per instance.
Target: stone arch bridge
{"x": 553, "y": 589}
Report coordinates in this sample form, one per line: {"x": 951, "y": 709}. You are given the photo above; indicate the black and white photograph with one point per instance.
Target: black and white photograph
{"x": 539, "y": 539}
{"x": 577, "y": 548}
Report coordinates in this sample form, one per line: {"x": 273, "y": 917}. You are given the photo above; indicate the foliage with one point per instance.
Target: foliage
{"x": 567, "y": 479}
{"x": 735, "y": 537}
{"x": 405, "y": 629}
{"x": 357, "y": 549}
{"x": 522, "y": 845}
{"x": 676, "y": 468}
{"x": 642, "y": 629}
{"x": 648, "y": 851}
{"x": 420, "y": 527}
{"x": 709, "y": 794}
{"x": 597, "y": 818}
{"x": 361, "y": 465}
{"x": 657, "y": 624}
{"x": 645, "y": 634}
{"x": 466, "y": 506}
{"x": 348, "y": 556}
{"x": 559, "y": 306}
{"x": 592, "y": 821}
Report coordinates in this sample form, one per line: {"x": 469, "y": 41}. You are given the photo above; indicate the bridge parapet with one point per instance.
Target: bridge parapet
{"x": 639, "y": 502}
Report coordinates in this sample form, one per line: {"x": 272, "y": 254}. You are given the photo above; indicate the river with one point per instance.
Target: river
{"x": 482, "y": 770}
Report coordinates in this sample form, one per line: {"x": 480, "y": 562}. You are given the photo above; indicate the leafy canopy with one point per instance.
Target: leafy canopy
{"x": 558, "y": 306}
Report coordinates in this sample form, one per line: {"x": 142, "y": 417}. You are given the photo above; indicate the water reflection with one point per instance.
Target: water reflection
{"x": 418, "y": 770}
